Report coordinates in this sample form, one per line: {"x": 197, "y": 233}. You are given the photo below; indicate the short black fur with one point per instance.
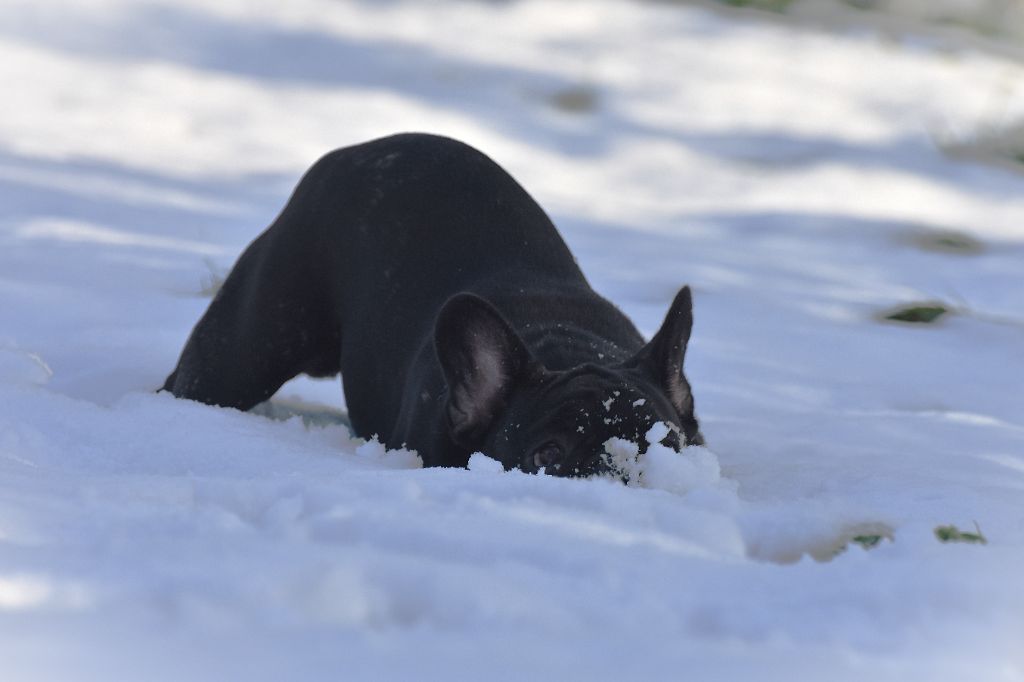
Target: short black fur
{"x": 458, "y": 318}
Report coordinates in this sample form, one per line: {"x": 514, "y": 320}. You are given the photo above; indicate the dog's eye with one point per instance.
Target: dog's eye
{"x": 547, "y": 455}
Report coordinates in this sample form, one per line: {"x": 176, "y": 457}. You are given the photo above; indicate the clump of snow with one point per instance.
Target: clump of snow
{"x": 621, "y": 455}
{"x": 376, "y": 452}
{"x": 665, "y": 469}
{"x": 680, "y": 472}
{"x": 660, "y": 467}
{"x": 479, "y": 462}
{"x": 657, "y": 433}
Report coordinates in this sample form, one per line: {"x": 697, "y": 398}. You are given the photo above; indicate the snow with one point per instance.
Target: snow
{"x": 791, "y": 176}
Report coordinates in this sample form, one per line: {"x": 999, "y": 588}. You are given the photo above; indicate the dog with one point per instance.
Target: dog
{"x": 420, "y": 270}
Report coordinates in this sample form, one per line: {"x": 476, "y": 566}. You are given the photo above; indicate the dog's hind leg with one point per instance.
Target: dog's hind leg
{"x": 272, "y": 319}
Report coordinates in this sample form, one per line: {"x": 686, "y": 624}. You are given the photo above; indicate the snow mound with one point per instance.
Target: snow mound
{"x": 662, "y": 468}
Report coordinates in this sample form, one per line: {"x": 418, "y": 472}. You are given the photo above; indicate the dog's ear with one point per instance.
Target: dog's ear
{"x": 663, "y": 356}
{"x": 482, "y": 358}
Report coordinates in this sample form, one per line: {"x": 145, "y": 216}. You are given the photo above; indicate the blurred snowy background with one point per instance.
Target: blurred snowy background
{"x": 839, "y": 181}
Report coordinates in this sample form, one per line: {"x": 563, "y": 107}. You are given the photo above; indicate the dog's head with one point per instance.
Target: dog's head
{"x": 505, "y": 403}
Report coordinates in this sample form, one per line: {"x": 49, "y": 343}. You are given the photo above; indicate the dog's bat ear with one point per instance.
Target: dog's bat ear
{"x": 663, "y": 356}
{"x": 482, "y": 358}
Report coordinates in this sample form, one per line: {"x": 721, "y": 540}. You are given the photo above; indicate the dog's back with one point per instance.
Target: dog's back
{"x": 423, "y": 218}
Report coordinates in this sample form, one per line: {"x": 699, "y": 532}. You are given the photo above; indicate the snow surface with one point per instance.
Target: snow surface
{"x": 791, "y": 176}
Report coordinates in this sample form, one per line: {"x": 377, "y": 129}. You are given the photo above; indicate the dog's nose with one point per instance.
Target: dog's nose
{"x": 547, "y": 455}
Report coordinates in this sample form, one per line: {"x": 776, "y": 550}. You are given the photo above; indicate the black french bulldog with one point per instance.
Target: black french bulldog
{"x": 458, "y": 318}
